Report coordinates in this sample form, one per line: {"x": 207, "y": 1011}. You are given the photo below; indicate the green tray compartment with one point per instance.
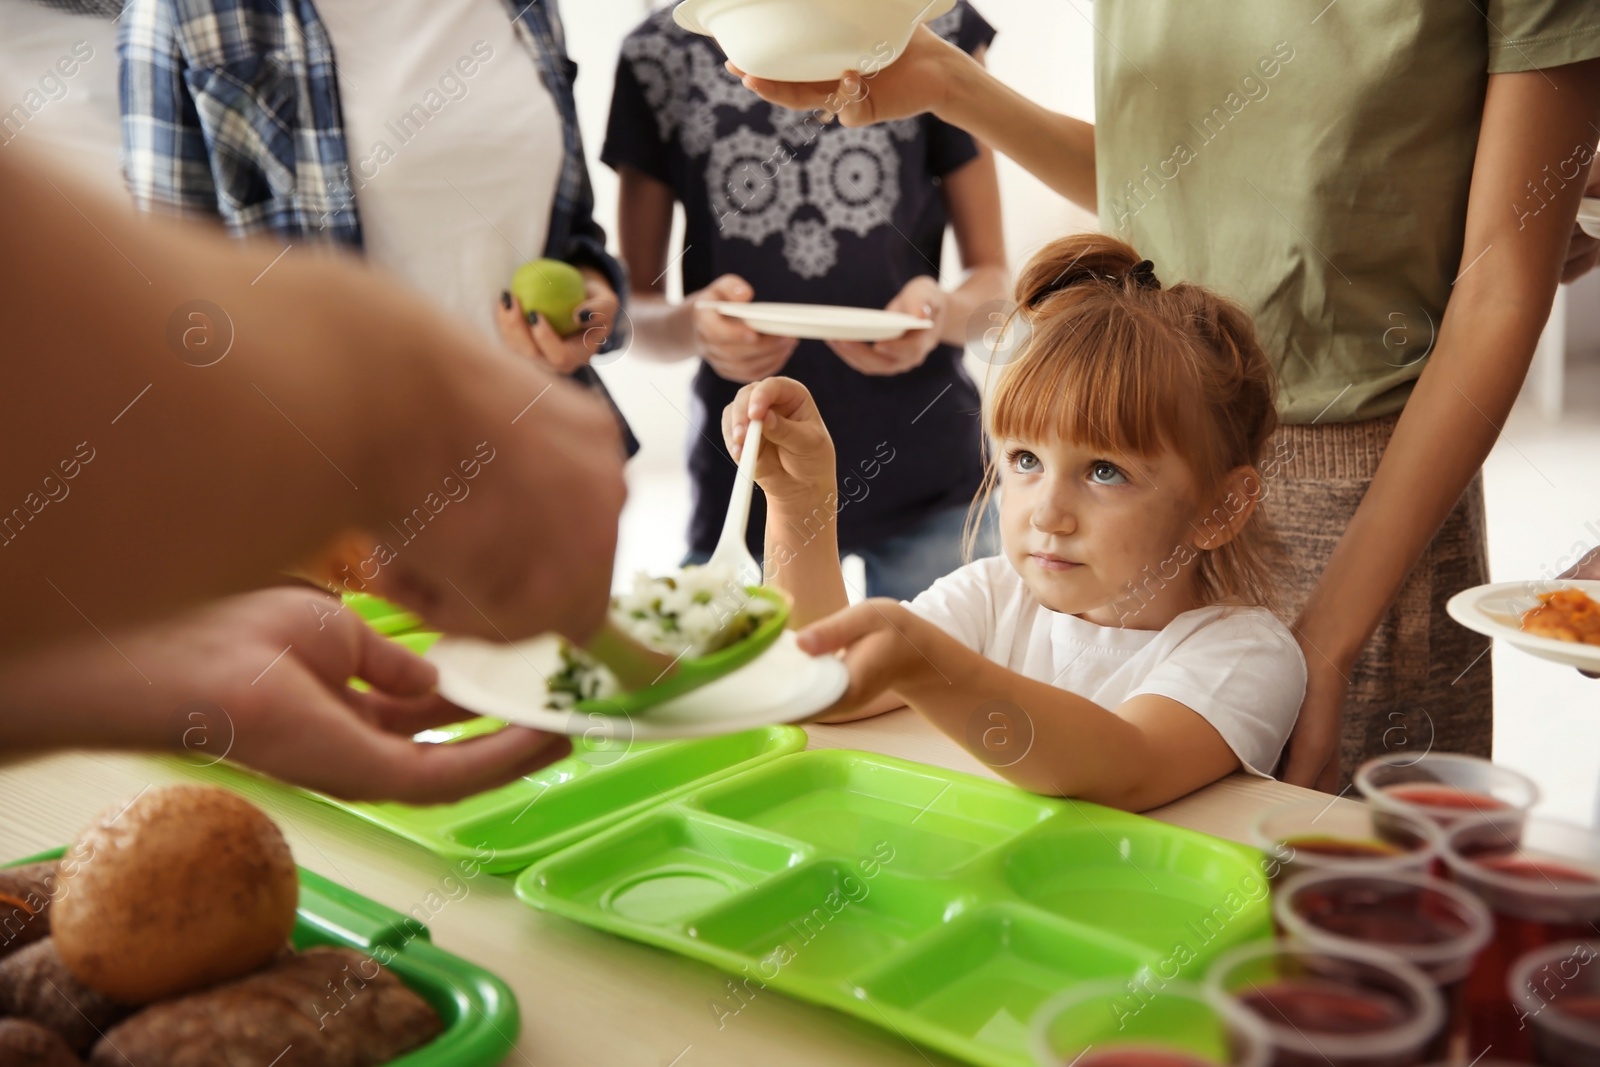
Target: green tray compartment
{"x": 479, "y": 1011}
{"x": 828, "y": 921}
{"x": 602, "y": 783}
{"x": 669, "y": 867}
{"x": 857, "y": 808}
{"x": 387, "y": 618}
{"x": 942, "y": 906}
{"x": 981, "y": 978}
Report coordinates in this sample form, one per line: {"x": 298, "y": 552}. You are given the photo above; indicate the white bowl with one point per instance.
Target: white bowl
{"x": 808, "y": 40}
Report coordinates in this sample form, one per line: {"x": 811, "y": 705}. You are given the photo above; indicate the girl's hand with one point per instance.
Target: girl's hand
{"x": 796, "y": 465}
{"x": 883, "y": 642}
{"x": 735, "y": 351}
{"x": 893, "y": 88}
{"x": 533, "y": 337}
{"x": 921, "y": 297}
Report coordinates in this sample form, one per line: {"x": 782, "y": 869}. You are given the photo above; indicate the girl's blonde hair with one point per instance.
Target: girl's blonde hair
{"x": 1110, "y": 359}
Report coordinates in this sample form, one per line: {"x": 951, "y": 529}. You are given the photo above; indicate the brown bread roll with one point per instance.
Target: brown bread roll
{"x": 25, "y": 905}
{"x": 27, "y": 1044}
{"x": 36, "y": 985}
{"x": 187, "y": 886}
{"x": 322, "y": 1008}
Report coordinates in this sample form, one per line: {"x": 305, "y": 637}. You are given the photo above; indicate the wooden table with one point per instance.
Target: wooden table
{"x": 587, "y": 998}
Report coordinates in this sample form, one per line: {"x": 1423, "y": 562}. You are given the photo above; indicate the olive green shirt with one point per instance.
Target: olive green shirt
{"x": 1312, "y": 160}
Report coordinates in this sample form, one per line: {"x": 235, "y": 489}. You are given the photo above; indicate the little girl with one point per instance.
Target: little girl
{"x": 1122, "y": 649}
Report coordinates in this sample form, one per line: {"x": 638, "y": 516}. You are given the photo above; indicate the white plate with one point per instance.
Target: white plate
{"x": 1589, "y": 215}
{"x": 820, "y": 322}
{"x": 1496, "y": 611}
{"x": 507, "y": 682}
{"x": 808, "y": 40}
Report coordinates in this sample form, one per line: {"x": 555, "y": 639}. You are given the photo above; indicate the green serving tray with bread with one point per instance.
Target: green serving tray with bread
{"x": 478, "y": 1010}
{"x": 936, "y": 904}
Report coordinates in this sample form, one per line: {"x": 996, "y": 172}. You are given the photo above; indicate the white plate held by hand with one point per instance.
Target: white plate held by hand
{"x": 1589, "y": 215}
{"x": 507, "y": 682}
{"x": 1496, "y": 611}
{"x": 820, "y": 322}
{"x": 808, "y": 40}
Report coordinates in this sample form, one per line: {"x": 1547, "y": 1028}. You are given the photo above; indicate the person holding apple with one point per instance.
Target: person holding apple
{"x": 778, "y": 207}
{"x": 438, "y": 139}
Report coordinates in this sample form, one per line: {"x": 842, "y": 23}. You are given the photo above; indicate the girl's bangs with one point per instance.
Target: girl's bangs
{"x": 1104, "y": 381}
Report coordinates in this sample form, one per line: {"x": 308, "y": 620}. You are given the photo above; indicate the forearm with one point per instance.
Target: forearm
{"x": 1055, "y": 148}
{"x": 982, "y": 285}
{"x": 188, "y": 480}
{"x": 802, "y": 557}
{"x": 1072, "y": 746}
{"x": 661, "y": 329}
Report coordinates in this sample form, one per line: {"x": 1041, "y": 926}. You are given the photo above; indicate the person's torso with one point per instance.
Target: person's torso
{"x": 1311, "y": 161}
{"x": 454, "y": 143}
{"x": 814, "y": 214}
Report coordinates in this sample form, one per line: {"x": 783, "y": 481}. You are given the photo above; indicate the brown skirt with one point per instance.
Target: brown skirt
{"x": 1423, "y": 681}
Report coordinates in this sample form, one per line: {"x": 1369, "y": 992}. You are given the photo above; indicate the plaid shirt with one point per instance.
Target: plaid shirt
{"x": 230, "y": 108}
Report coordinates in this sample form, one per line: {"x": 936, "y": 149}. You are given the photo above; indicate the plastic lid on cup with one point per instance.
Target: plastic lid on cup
{"x": 1065, "y": 1029}
{"x": 1443, "y": 961}
{"x": 1404, "y": 1038}
{"x": 1525, "y": 992}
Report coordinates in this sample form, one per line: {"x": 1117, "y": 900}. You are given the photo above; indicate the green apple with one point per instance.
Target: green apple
{"x": 552, "y": 288}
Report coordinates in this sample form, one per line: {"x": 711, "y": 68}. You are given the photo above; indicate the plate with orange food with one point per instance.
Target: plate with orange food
{"x": 1555, "y": 619}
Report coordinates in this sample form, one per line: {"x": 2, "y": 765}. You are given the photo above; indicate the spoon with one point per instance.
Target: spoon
{"x": 637, "y": 665}
{"x": 731, "y": 550}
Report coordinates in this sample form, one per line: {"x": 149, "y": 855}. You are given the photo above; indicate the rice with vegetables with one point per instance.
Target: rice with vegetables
{"x": 691, "y": 613}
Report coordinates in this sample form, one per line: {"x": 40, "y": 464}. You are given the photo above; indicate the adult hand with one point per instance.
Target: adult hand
{"x": 1584, "y": 251}
{"x": 735, "y": 351}
{"x": 1313, "y": 752}
{"x": 263, "y": 679}
{"x": 531, "y": 335}
{"x": 921, "y": 297}
{"x": 914, "y": 82}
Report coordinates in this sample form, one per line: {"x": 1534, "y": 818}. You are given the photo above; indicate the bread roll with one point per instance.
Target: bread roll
{"x": 187, "y": 886}
{"x": 27, "y": 1044}
{"x": 35, "y": 985}
{"x": 25, "y": 905}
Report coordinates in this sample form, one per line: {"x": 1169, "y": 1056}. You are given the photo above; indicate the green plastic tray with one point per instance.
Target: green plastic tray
{"x": 479, "y": 1011}
{"x": 942, "y": 906}
{"x": 600, "y": 784}
{"x": 381, "y": 615}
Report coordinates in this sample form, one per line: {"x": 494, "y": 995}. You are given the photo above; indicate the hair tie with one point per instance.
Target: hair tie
{"x": 1144, "y": 273}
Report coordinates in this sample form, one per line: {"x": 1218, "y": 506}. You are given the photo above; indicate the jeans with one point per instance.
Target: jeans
{"x": 904, "y": 565}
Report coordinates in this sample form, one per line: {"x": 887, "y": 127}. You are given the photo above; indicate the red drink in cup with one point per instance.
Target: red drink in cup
{"x": 1555, "y": 991}
{"x": 1123, "y": 1023}
{"x": 1541, "y": 879}
{"x": 1333, "y": 1007}
{"x": 1317, "y": 835}
{"x": 1435, "y": 926}
{"x": 1445, "y": 787}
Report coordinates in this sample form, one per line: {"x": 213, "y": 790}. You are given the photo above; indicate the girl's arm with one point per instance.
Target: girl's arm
{"x": 671, "y": 331}
{"x": 1511, "y": 260}
{"x": 1148, "y": 752}
{"x": 934, "y": 75}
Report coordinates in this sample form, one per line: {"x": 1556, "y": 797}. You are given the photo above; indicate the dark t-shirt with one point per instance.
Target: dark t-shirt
{"x": 816, "y": 215}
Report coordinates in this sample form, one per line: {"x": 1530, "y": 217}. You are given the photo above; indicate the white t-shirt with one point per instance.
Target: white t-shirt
{"x": 1238, "y": 668}
{"x": 454, "y": 142}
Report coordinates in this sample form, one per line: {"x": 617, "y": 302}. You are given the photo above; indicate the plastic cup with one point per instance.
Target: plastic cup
{"x": 1310, "y": 835}
{"x": 1445, "y": 787}
{"x": 1556, "y": 993}
{"x": 1323, "y": 1007}
{"x": 1437, "y": 927}
{"x": 1541, "y": 879}
{"x": 1117, "y": 1023}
